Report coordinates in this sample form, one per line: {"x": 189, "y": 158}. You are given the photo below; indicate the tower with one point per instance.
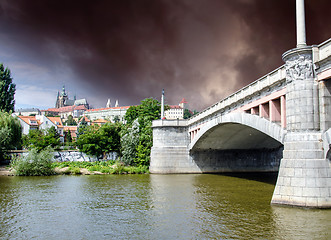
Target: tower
{"x": 108, "y": 105}
{"x": 61, "y": 98}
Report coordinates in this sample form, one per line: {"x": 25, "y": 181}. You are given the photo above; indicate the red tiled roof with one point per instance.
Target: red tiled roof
{"x": 57, "y": 121}
{"x": 66, "y": 109}
{"x": 69, "y": 128}
{"x": 28, "y": 119}
{"x": 80, "y": 107}
{"x": 100, "y": 121}
{"x": 85, "y": 118}
{"x": 72, "y": 129}
{"x": 175, "y": 107}
{"x": 183, "y": 101}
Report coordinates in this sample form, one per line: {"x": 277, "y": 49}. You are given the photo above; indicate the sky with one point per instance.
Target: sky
{"x": 129, "y": 50}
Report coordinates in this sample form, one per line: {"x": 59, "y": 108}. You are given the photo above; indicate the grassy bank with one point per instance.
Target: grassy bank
{"x": 106, "y": 167}
{"x": 41, "y": 164}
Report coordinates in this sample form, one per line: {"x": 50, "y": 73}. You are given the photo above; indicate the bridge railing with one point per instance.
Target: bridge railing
{"x": 324, "y": 51}
{"x": 238, "y": 98}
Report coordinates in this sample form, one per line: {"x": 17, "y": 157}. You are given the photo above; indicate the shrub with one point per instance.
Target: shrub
{"x": 75, "y": 170}
{"x": 35, "y": 163}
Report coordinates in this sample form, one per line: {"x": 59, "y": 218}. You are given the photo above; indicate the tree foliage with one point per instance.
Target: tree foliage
{"x": 188, "y": 113}
{"x": 98, "y": 141}
{"x": 36, "y": 163}
{"x": 68, "y": 137}
{"x": 70, "y": 121}
{"x": 7, "y": 90}
{"x": 129, "y": 142}
{"x": 10, "y": 133}
{"x": 41, "y": 139}
{"x": 137, "y": 138}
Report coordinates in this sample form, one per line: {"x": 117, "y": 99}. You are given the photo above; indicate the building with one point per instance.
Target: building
{"x": 27, "y": 112}
{"x": 100, "y": 122}
{"x": 72, "y": 130}
{"x": 62, "y": 100}
{"x": 176, "y": 111}
{"x": 40, "y": 122}
{"x": 65, "y": 112}
{"x": 112, "y": 114}
{"x": 28, "y": 123}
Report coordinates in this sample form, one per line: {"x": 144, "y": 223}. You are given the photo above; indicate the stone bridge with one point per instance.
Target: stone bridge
{"x": 281, "y": 122}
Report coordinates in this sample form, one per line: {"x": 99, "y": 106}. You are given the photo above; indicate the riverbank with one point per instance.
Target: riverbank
{"x": 6, "y": 170}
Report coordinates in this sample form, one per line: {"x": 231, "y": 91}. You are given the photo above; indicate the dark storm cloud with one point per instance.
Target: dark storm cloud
{"x": 130, "y": 49}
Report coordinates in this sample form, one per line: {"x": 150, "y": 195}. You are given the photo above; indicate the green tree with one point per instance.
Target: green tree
{"x": 81, "y": 127}
{"x": 117, "y": 119}
{"x": 129, "y": 142}
{"x": 70, "y": 121}
{"x": 188, "y": 113}
{"x": 98, "y": 141}
{"x": 10, "y": 133}
{"x": 145, "y": 113}
{"x": 52, "y": 138}
{"x": 40, "y": 139}
{"x": 131, "y": 114}
{"x": 7, "y": 90}
{"x": 68, "y": 137}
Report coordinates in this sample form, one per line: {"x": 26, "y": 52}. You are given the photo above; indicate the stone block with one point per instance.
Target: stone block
{"x": 311, "y": 202}
{"x": 289, "y": 172}
{"x": 298, "y": 201}
{"x": 311, "y": 192}
{"x": 324, "y": 192}
{"x": 324, "y": 202}
{"x": 310, "y": 182}
{"x": 286, "y": 191}
{"x": 311, "y": 172}
{"x": 286, "y": 181}
{"x": 316, "y": 163}
{"x": 298, "y": 182}
{"x": 323, "y": 172}
{"x": 297, "y": 191}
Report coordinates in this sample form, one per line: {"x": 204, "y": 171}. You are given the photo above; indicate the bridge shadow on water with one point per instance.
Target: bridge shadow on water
{"x": 265, "y": 177}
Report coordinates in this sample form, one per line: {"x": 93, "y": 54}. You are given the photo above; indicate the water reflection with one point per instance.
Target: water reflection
{"x": 151, "y": 207}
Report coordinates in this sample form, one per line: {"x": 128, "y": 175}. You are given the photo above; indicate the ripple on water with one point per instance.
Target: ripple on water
{"x": 150, "y": 207}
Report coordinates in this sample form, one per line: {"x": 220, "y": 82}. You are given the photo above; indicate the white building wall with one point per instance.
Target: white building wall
{"x": 109, "y": 114}
{"x": 174, "y": 113}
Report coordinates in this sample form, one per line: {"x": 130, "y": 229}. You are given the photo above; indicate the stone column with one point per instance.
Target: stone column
{"x": 301, "y": 25}
{"x": 304, "y": 174}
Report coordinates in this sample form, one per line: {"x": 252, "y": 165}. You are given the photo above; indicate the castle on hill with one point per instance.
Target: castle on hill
{"x": 63, "y": 100}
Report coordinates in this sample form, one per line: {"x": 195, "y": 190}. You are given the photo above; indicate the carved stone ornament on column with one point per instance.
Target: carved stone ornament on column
{"x": 299, "y": 68}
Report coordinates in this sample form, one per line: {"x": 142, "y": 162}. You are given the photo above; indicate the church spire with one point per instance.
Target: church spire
{"x": 63, "y": 91}
{"x": 108, "y": 105}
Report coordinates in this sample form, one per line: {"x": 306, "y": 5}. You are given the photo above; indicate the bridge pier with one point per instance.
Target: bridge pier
{"x": 170, "y": 153}
{"x": 304, "y": 177}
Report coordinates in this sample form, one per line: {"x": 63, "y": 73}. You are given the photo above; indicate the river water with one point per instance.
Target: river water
{"x": 203, "y": 206}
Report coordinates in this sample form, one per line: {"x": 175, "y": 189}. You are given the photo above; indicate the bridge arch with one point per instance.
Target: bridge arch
{"x": 234, "y": 124}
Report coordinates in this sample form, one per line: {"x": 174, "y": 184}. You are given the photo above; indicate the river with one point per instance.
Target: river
{"x": 197, "y": 206}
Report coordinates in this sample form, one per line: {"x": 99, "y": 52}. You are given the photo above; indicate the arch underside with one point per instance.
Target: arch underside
{"x": 236, "y": 147}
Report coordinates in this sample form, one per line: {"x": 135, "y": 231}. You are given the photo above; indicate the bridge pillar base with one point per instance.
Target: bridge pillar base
{"x": 171, "y": 160}
{"x": 304, "y": 177}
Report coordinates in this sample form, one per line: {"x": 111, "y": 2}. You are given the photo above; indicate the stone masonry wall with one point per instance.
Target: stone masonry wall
{"x": 325, "y": 104}
{"x": 169, "y": 153}
{"x": 253, "y": 160}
